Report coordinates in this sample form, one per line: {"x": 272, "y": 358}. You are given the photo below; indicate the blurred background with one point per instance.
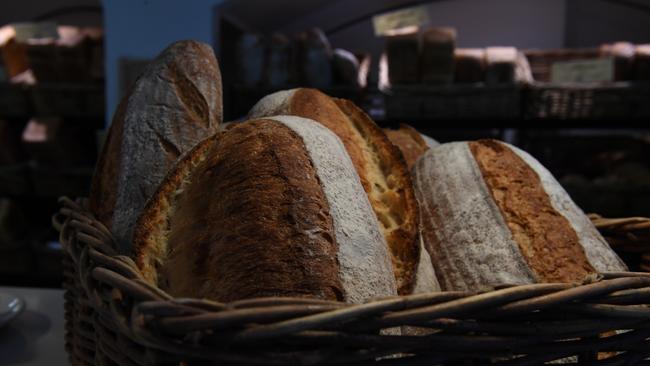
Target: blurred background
{"x": 566, "y": 80}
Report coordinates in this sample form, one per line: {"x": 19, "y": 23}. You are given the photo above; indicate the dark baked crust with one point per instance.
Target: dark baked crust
{"x": 382, "y": 171}
{"x": 252, "y": 220}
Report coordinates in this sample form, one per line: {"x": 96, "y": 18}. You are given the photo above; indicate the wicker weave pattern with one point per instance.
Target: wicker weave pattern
{"x": 115, "y": 318}
{"x": 629, "y": 235}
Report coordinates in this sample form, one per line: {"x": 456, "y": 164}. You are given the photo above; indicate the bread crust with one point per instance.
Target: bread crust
{"x": 409, "y": 142}
{"x": 381, "y": 168}
{"x": 471, "y": 214}
{"x": 255, "y": 212}
{"x": 174, "y": 104}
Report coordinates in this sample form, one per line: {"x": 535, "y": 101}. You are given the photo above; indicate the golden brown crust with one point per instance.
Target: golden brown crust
{"x": 270, "y": 232}
{"x": 382, "y": 170}
{"x": 547, "y": 240}
{"x": 409, "y": 142}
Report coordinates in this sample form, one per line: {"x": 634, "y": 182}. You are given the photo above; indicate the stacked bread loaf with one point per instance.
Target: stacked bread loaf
{"x": 491, "y": 215}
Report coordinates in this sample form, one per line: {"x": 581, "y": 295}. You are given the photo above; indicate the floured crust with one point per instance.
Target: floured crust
{"x": 409, "y": 142}
{"x": 546, "y": 239}
{"x": 382, "y": 170}
{"x": 256, "y": 211}
{"x": 469, "y": 243}
{"x": 492, "y": 215}
{"x": 172, "y": 106}
{"x": 598, "y": 252}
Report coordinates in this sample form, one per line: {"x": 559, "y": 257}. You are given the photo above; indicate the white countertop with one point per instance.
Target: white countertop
{"x": 35, "y": 337}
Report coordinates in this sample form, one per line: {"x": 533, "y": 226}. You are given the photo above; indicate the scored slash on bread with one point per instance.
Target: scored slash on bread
{"x": 173, "y": 105}
{"x": 379, "y": 164}
{"x": 492, "y": 215}
{"x": 268, "y": 207}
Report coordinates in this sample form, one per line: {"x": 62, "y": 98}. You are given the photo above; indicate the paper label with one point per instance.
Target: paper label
{"x": 25, "y": 31}
{"x": 592, "y": 70}
{"x": 405, "y": 18}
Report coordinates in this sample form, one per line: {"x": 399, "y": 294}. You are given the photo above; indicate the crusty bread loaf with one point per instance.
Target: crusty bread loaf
{"x": 491, "y": 214}
{"x": 403, "y": 58}
{"x": 623, "y": 55}
{"x": 174, "y": 104}
{"x": 345, "y": 68}
{"x": 269, "y": 207}
{"x": 501, "y": 64}
{"x": 469, "y": 65}
{"x": 437, "y": 55}
{"x": 642, "y": 62}
{"x": 382, "y": 170}
{"x": 409, "y": 141}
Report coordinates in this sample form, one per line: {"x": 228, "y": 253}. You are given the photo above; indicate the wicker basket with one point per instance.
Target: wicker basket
{"x": 630, "y": 237}
{"x": 113, "y": 317}
{"x": 626, "y": 100}
{"x": 454, "y": 101}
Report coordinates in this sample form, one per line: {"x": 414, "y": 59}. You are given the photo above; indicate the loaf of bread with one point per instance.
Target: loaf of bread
{"x": 403, "y": 56}
{"x": 410, "y": 142}
{"x": 382, "y": 170}
{"x": 501, "y": 63}
{"x": 491, "y": 215}
{"x": 469, "y": 65}
{"x": 174, "y": 104}
{"x": 345, "y": 67}
{"x": 623, "y": 55}
{"x": 268, "y": 207}
{"x": 437, "y": 55}
{"x": 315, "y": 59}
{"x": 642, "y": 62}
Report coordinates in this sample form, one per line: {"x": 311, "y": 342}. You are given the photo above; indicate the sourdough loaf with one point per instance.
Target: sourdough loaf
{"x": 642, "y": 62}
{"x": 410, "y": 142}
{"x": 268, "y": 207}
{"x": 382, "y": 170}
{"x": 491, "y": 214}
{"x": 403, "y": 58}
{"x": 172, "y": 106}
{"x": 623, "y": 55}
{"x": 345, "y": 68}
{"x": 469, "y": 65}
{"x": 437, "y": 55}
{"x": 501, "y": 64}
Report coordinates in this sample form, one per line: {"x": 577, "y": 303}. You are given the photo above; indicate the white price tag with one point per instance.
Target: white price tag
{"x": 25, "y": 31}
{"x": 593, "y": 70}
{"x": 411, "y": 17}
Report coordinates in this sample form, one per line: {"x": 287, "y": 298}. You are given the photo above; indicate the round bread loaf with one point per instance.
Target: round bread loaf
{"x": 491, "y": 214}
{"x": 173, "y": 105}
{"x": 268, "y": 207}
{"x": 383, "y": 172}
